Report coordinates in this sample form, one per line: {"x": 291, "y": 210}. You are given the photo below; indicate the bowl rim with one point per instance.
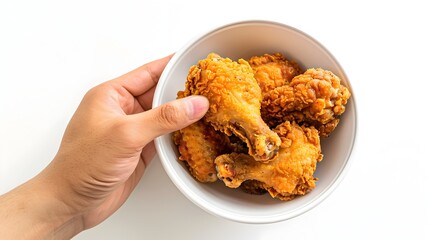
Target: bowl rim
{"x": 216, "y": 210}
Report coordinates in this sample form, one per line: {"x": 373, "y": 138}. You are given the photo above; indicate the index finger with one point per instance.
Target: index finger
{"x": 141, "y": 79}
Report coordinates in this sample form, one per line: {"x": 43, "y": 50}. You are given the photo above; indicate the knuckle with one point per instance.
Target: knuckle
{"x": 169, "y": 115}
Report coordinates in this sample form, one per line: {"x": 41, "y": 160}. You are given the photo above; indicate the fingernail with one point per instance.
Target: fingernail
{"x": 196, "y": 106}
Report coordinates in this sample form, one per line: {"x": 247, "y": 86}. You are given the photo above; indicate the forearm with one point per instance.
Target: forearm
{"x": 31, "y": 211}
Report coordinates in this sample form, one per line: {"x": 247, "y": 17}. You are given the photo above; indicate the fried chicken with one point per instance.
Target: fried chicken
{"x": 288, "y": 175}
{"x": 234, "y": 141}
{"x": 273, "y": 70}
{"x": 315, "y": 98}
{"x": 235, "y": 102}
{"x": 199, "y": 144}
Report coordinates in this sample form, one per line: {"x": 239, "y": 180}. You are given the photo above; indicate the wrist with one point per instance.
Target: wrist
{"x": 32, "y": 211}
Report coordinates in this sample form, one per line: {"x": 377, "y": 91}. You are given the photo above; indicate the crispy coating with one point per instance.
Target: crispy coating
{"x": 199, "y": 144}
{"x": 273, "y": 70}
{"x": 234, "y": 142}
{"x": 235, "y": 102}
{"x": 315, "y": 98}
{"x": 288, "y": 175}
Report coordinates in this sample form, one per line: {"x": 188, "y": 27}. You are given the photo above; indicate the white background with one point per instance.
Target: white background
{"x": 52, "y": 52}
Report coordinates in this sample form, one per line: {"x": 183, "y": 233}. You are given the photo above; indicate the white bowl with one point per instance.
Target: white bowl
{"x": 243, "y": 40}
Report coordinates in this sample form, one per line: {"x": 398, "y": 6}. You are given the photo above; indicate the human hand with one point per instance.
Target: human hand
{"x": 106, "y": 148}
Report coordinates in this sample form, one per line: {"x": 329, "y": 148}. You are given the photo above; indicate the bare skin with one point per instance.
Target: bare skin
{"x": 103, "y": 154}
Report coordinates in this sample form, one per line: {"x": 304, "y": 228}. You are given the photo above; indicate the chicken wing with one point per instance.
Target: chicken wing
{"x": 315, "y": 98}
{"x": 199, "y": 144}
{"x": 273, "y": 70}
{"x": 288, "y": 175}
{"x": 235, "y": 102}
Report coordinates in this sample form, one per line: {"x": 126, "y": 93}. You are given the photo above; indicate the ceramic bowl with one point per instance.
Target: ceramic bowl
{"x": 243, "y": 40}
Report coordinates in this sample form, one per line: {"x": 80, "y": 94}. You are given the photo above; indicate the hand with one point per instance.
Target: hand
{"x": 104, "y": 152}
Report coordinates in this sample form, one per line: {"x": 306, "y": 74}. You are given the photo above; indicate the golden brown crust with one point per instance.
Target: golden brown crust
{"x": 199, "y": 144}
{"x": 235, "y": 102}
{"x": 315, "y": 98}
{"x": 273, "y": 70}
{"x": 234, "y": 141}
{"x": 288, "y": 175}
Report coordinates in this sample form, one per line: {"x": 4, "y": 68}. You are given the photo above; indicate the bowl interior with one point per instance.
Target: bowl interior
{"x": 243, "y": 40}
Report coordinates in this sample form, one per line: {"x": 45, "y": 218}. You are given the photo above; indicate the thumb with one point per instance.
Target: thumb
{"x": 172, "y": 116}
